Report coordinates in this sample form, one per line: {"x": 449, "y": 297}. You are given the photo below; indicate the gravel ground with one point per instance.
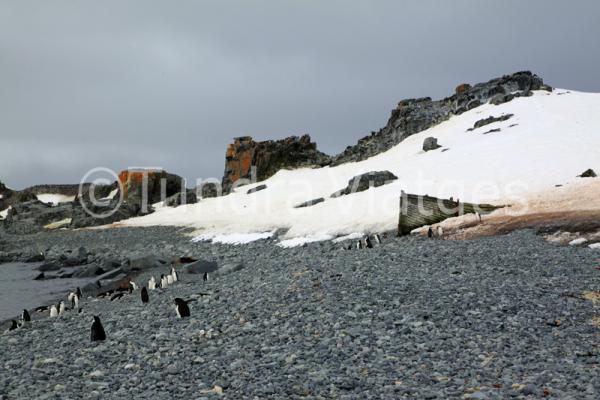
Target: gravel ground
{"x": 414, "y": 318}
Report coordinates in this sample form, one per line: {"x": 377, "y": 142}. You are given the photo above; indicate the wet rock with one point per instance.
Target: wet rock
{"x": 200, "y": 267}
{"x": 189, "y": 197}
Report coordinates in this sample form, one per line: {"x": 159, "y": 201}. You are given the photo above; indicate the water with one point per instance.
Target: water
{"x": 18, "y": 290}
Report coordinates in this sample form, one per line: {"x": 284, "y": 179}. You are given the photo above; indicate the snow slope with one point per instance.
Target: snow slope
{"x": 552, "y": 138}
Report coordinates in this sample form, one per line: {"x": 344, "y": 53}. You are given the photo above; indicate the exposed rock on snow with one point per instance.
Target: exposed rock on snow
{"x": 256, "y": 189}
{"x": 245, "y": 158}
{"x": 310, "y": 203}
{"x": 430, "y": 143}
{"x": 416, "y": 115}
{"x": 366, "y": 181}
{"x": 588, "y": 174}
{"x": 490, "y": 120}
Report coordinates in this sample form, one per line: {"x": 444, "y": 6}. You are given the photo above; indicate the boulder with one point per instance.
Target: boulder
{"x": 589, "y": 173}
{"x": 229, "y": 268}
{"x": 365, "y": 181}
{"x": 256, "y": 189}
{"x": 310, "y": 203}
{"x": 158, "y": 183}
{"x": 430, "y": 143}
{"x": 188, "y": 197}
{"x": 77, "y": 257}
{"x": 256, "y": 161}
{"x": 200, "y": 267}
{"x": 89, "y": 271}
{"x": 142, "y": 263}
{"x": 49, "y": 266}
{"x": 490, "y": 120}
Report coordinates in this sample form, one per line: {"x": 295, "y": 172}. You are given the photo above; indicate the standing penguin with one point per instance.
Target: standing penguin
{"x": 182, "y": 308}
{"x": 368, "y": 242}
{"x": 97, "y": 331}
{"x": 53, "y": 311}
{"x": 170, "y": 279}
{"x": 205, "y": 277}
{"x": 377, "y": 238}
{"x": 78, "y": 293}
{"x": 174, "y": 274}
{"x": 144, "y": 295}
{"x": 152, "y": 283}
{"x": 74, "y": 299}
{"x": 440, "y": 231}
{"x": 25, "y": 317}
{"x": 163, "y": 281}
{"x": 61, "y": 308}
{"x": 429, "y": 232}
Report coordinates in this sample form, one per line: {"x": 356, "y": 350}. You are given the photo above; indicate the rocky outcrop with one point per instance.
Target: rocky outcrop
{"x": 248, "y": 159}
{"x": 366, "y": 181}
{"x": 310, "y": 203}
{"x": 589, "y": 173}
{"x": 67, "y": 190}
{"x": 415, "y": 115}
{"x": 490, "y": 120}
{"x": 160, "y": 185}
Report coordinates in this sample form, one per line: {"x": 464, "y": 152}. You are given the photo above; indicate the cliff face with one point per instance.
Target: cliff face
{"x": 415, "y": 115}
{"x": 266, "y": 158}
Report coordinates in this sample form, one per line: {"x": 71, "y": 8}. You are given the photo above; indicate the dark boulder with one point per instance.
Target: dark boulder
{"x": 430, "y": 143}
{"x": 365, "y": 181}
{"x": 142, "y": 263}
{"x": 200, "y": 267}
{"x": 178, "y": 199}
{"x": 310, "y": 203}
{"x": 49, "y": 266}
{"x": 589, "y": 173}
{"x": 256, "y": 189}
{"x": 89, "y": 271}
{"x": 490, "y": 120}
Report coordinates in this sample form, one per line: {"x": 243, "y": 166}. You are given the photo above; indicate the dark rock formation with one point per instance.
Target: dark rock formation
{"x": 490, "y": 120}
{"x": 365, "y": 181}
{"x": 160, "y": 185}
{"x": 208, "y": 189}
{"x": 430, "y": 143}
{"x": 415, "y": 115}
{"x": 310, "y": 203}
{"x": 189, "y": 197}
{"x": 67, "y": 190}
{"x": 247, "y": 159}
{"x": 589, "y": 173}
{"x": 256, "y": 189}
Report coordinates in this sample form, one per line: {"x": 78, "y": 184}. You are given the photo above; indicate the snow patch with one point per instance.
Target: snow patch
{"x": 577, "y": 242}
{"x": 299, "y": 241}
{"x": 352, "y": 236}
{"x": 594, "y": 246}
{"x": 54, "y": 199}
{"x": 234, "y": 238}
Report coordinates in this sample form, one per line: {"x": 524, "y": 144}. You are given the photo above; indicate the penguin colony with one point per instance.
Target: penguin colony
{"x": 97, "y": 330}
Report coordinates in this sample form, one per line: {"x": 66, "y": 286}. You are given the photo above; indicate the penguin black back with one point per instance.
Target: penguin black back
{"x": 13, "y": 325}
{"x": 26, "y": 317}
{"x": 97, "y": 330}
{"x": 182, "y": 308}
{"x": 430, "y": 233}
{"x": 78, "y": 292}
{"x": 144, "y": 294}
{"x": 368, "y": 242}
{"x": 205, "y": 277}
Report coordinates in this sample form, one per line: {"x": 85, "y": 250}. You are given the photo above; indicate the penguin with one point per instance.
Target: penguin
{"x": 174, "y": 275}
{"x": 144, "y": 294}
{"x": 205, "y": 277}
{"x": 41, "y": 309}
{"x": 116, "y": 296}
{"x": 97, "y": 331}
{"x": 359, "y": 245}
{"x": 132, "y": 286}
{"x": 13, "y": 325}
{"x": 478, "y": 216}
{"x": 25, "y": 317}
{"x": 163, "y": 281}
{"x": 440, "y": 231}
{"x": 78, "y": 293}
{"x": 429, "y": 232}
{"x": 169, "y": 279}
{"x": 61, "y": 308}
{"x": 152, "y": 283}
{"x": 74, "y": 299}
{"x": 182, "y": 308}
{"x": 53, "y": 311}
{"x": 377, "y": 238}
{"x": 368, "y": 242}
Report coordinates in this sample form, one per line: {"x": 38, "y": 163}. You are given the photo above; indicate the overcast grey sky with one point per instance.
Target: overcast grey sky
{"x": 170, "y": 83}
